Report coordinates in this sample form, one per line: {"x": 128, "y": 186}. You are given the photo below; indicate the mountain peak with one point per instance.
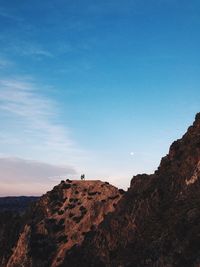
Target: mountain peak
{"x": 197, "y": 117}
{"x": 61, "y": 219}
{"x": 184, "y": 154}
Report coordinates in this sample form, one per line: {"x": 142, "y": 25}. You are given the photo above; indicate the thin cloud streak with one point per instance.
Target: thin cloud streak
{"x": 36, "y": 51}
{"x": 33, "y": 50}
{"x": 4, "y": 63}
{"x": 35, "y": 118}
{"x": 10, "y": 16}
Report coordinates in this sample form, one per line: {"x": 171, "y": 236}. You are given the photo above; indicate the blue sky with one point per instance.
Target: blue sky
{"x": 94, "y": 87}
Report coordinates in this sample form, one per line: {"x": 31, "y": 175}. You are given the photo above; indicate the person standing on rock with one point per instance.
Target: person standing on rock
{"x": 82, "y": 176}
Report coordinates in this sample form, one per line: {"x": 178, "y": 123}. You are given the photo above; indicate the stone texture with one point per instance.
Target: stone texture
{"x": 60, "y": 220}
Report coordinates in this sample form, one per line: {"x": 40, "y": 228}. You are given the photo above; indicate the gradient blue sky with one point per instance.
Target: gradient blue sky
{"x": 94, "y": 87}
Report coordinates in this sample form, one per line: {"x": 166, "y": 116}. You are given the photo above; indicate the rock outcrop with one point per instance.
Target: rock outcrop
{"x": 156, "y": 223}
{"x": 60, "y": 220}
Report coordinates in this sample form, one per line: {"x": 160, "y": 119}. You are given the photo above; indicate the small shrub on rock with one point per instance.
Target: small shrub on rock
{"x": 71, "y": 206}
{"x": 60, "y": 212}
{"x": 66, "y": 186}
{"x": 77, "y": 219}
{"x": 121, "y": 191}
{"x": 92, "y": 193}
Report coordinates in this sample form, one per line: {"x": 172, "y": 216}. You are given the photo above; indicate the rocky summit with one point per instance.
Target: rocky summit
{"x": 61, "y": 219}
{"x": 93, "y": 224}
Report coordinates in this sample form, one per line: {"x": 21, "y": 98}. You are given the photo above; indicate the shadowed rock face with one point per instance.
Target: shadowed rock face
{"x": 61, "y": 219}
{"x": 12, "y": 219}
{"x": 156, "y": 223}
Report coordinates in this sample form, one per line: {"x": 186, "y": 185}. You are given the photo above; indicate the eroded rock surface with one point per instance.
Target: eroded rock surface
{"x": 61, "y": 219}
{"x": 13, "y": 213}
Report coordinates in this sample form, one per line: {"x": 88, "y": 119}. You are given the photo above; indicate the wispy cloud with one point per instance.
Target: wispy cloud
{"x": 36, "y": 150}
{"x": 35, "y": 50}
{"x": 5, "y": 63}
{"x": 32, "y": 120}
{"x": 8, "y": 15}
{"x": 22, "y": 47}
{"x": 20, "y": 98}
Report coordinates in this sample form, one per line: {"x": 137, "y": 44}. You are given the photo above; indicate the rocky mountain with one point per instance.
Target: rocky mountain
{"x": 156, "y": 223}
{"x": 61, "y": 219}
{"x": 93, "y": 224}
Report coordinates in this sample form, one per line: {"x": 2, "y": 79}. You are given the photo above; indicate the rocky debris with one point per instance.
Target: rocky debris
{"x": 156, "y": 223}
{"x": 60, "y": 220}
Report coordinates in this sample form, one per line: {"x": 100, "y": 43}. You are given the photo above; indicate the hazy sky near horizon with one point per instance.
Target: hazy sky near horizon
{"x": 94, "y": 87}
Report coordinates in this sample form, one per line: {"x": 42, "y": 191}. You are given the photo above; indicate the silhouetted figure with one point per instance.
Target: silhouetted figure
{"x": 82, "y": 176}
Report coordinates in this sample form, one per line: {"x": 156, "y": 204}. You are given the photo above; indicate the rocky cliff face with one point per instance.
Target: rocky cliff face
{"x": 12, "y": 219}
{"x": 61, "y": 219}
{"x": 156, "y": 223}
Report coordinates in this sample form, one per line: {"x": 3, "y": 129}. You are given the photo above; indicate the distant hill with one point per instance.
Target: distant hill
{"x": 16, "y": 204}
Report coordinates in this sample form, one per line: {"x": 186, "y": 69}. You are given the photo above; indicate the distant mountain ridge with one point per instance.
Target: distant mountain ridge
{"x": 17, "y": 204}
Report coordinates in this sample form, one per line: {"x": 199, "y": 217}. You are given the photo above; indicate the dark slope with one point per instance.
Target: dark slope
{"x": 12, "y": 219}
{"x": 156, "y": 223}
